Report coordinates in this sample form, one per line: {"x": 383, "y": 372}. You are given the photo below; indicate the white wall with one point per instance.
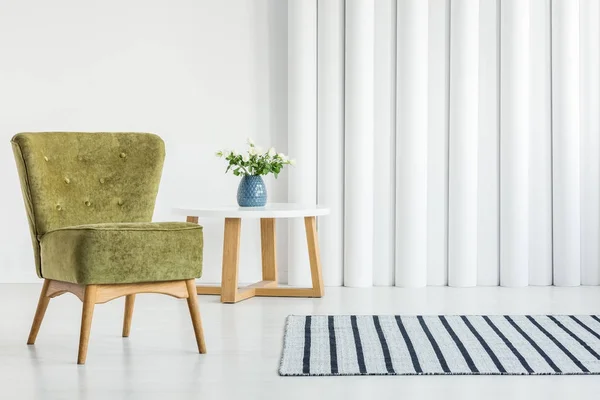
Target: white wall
{"x": 203, "y": 74}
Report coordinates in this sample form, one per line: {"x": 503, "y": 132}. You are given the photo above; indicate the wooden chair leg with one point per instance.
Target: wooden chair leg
{"x": 192, "y": 301}
{"x": 39, "y": 313}
{"x": 129, "y": 302}
{"x": 89, "y": 300}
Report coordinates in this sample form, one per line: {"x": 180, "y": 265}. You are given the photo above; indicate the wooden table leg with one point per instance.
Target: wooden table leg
{"x": 231, "y": 259}
{"x": 313, "y": 254}
{"x": 268, "y": 286}
{"x": 203, "y": 289}
{"x": 268, "y": 249}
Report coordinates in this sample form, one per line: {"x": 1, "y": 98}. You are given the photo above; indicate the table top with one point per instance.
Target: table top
{"x": 271, "y": 210}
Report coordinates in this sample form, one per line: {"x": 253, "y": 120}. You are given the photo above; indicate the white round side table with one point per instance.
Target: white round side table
{"x": 231, "y": 248}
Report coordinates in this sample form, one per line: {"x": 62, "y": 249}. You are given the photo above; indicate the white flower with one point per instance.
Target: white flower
{"x": 292, "y": 162}
{"x": 252, "y": 151}
{"x": 282, "y": 156}
{"x": 272, "y": 152}
{"x": 246, "y": 157}
{"x": 250, "y": 142}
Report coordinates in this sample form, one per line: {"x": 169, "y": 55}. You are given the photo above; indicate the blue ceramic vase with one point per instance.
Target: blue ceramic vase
{"x": 252, "y": 192}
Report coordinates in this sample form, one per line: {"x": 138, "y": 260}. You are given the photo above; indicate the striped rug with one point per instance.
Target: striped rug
{"x": 441, "y": 345}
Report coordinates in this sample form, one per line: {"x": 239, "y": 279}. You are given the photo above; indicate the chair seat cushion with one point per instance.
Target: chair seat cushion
{"x": 123, "y": 252}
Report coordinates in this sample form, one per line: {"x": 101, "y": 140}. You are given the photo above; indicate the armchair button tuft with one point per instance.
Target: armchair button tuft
{"x": 58, "y": 207}
{"x": 67, "y": 180}
{"x": 101, "y": 180}
{"x": 88, "y": 203}
{"x": 45, "y": 158}
{"x": 120, "y": 202}
{"x": 122, "y": 155}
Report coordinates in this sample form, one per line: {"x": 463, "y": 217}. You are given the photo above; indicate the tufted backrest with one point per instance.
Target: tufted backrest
{"x": 70, "y": 178}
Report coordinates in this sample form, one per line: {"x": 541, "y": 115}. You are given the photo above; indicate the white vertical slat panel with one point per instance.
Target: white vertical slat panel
{"x": 331, "y": 137}
{"x": 302, "y": 127}
{"x": 463, "y": 144}
{"x": 590, "y": 141}
{"x": 565, "y": 142}
{"x": 437, "y": 155}
{"x": 514, "y": 143}
{"x": 411, "y": 143}
{"x": 488, "y": 228}
{"x": 385, "y": 153}
{"x": 540, "y": 145}
{"x": 358, "y": 189}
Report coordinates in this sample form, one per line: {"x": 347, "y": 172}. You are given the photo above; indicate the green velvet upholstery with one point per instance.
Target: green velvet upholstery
{"x": 123, "y": 253}
{"x": 89, "y": 199}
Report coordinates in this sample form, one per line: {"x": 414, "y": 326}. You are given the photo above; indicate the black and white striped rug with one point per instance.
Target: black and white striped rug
{"x": 440, "y": 345}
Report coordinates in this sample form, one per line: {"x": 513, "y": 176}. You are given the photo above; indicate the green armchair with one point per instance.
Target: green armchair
{"x": 89, "y": 199}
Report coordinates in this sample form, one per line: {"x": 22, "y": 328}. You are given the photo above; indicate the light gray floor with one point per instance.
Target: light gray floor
{"x": 159, "y": 360}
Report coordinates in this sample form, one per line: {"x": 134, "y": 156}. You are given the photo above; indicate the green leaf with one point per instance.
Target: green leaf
{"x": 256, "y": 164}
